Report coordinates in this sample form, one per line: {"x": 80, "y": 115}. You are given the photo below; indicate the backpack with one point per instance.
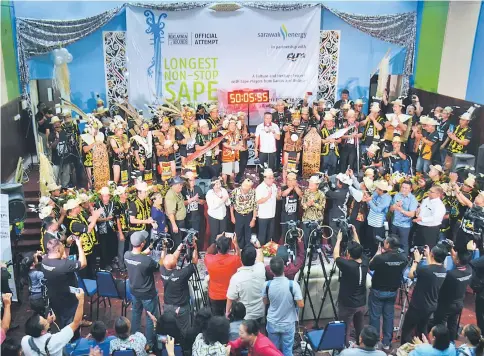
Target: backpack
{"x": 291, "y": 289}
{"x": 35, "y": 348}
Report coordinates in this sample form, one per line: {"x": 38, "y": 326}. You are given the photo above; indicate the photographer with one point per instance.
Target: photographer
{"x": 453, "y": 291}
{"x": 388, "y": 265}
{"x": 142, "y": 282}
{"x": 290, "y": 267}
{"x": 472, "y": 225}
{"x": 477, "y": 285}
{"x": 39, "y": 341}
{"x": 57, "y": 142}
{"x": 51, "y": 228}
{"x": 352, "y": 288}
{"x": 426, "y": 292}
{"x": 337, "y": 200}
{"x": 221, "y": 266}
{"x": 245, "y": 286}
{"x": 175, "y": 282}
{"x": 60, "y": 275}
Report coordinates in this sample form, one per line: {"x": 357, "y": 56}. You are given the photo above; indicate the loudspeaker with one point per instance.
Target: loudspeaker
{"x": 461, "y": 160}
{"x": 480, "y": 160}
{"x": 16, "y": 201}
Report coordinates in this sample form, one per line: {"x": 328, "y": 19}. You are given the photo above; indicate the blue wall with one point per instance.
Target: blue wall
{"x": 360, "y": 55}
{"x": 87, "y": 68}
{"x": 475, "y": 85}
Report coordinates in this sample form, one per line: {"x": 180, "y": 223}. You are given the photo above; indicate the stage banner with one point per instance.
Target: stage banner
{"x": 6, "y": 248}
{"x": 198, "y": 56}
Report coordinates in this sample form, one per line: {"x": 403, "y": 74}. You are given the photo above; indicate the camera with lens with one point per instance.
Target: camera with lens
{"x": 344, "y": 227}
{"x": 186, "y": 252}
{"x": 293, "y": 232}
{"x": 420, "y": 249}
{"x": 447, "y": 244}
{"x": 316, "y": 232}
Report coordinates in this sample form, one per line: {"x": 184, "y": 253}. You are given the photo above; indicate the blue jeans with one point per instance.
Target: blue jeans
{"x": 150, "y": 305}
{"x": 403, "y": 233}
{"x": 402, "y": 166}
{"x": 282, "y": 335}
{"x": 380, "y": 304}
{"x": 422, "y": 165}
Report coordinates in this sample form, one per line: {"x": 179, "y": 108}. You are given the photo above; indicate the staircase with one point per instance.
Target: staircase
{"x": 30, "y": 238}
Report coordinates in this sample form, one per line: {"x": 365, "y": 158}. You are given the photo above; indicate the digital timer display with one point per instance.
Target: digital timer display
{"x": 248, "y": 96}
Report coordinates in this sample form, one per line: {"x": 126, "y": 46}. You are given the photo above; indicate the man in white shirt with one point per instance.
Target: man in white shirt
{"x": 39, "y": 341}
{"x": 266, "y": 195}
{"x": 266, "y": 135}
{"x": 429, "y": 218}
{"x": 246, "y": 284}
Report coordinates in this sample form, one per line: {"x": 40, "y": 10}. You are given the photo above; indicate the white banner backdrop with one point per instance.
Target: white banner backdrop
{"x": 6, "y": 248}
{"x": 199, "y": 55}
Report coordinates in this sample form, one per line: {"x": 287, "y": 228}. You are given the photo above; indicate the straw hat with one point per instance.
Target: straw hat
{"x": 465, "y": 116}
{"x": 448, "y": 110}
{"x": 322, "y": 101}
{"x": 119, "y": 190}
{"x": 375, "y": 107}
{"x": 383, "y": 185}
{"x": 369, "y": 184}
{"x": 359, "y": 102}
{"x": 268, "y": 172}
{"x": 425, "y": 120}
{"x": 373, "y": 148}
{"x": 398, "y": 102}
{"x": 54, "y": 119}
{"x": 304, "y": 110}
{"x": 437, "y": 167}
{"x": 314, "y": 179}
{"x": 369, "y": 172}
{"x": 71, "y": 204}
{"x": 213, "y": 108}
{"x": 104, "y": 191}
{"x": 346, "y": 106}
{"x": 328, "y": 117}
{"x": 141, "y": 186}
{"x": 52, "y": 187}
{"x": 343, "y": 178}
{"x": 470, "y": 180}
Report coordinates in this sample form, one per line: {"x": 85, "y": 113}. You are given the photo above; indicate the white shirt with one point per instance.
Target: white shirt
{"x": 267, "y": 140}
{"x": 245, "y": 286}
{"x": 216, "y": 208}
{"x": 56, "y": 344}
{"x": 432, "y": 212}
{"x": 266, "y": 210}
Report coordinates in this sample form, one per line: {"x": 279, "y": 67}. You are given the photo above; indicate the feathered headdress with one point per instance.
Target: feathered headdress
{"x": 66, "y": 104}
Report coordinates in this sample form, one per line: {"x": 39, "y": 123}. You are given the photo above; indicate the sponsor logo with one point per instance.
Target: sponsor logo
{"x": 282, "y": 33}
{"x": 178, "y": 38}
{"x": 295, "y": 56}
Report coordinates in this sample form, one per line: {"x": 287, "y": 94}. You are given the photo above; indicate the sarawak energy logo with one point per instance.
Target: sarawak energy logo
{"x": 283, "y": 32}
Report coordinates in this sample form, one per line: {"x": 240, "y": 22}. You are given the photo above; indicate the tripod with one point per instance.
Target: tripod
{"x": 312, "y": 249}
{"x": 404, "y": 289}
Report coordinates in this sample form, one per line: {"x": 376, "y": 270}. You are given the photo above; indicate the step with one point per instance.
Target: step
{"x": 31, "y": 232}
{"x": 32, "y": 222}
{"x": 32, "y": 200}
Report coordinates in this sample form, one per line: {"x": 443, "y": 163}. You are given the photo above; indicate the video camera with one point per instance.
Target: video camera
{"x": 161, "y": 237}
{"x": 293, "y": 232}
{"x": 344, "y": 226}
{"x": 186, "y": 252}
{"x": 316, "y": 231}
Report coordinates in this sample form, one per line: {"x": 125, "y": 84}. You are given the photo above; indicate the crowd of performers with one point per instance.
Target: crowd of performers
{"x": 390, "y": 166}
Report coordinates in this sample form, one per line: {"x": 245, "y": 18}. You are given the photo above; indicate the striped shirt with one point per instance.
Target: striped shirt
{"x": 378, "y": 205}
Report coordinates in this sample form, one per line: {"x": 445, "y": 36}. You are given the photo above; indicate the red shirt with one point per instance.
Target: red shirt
{"x": 220, "y": 269}
{"x": 262, "y": 347}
